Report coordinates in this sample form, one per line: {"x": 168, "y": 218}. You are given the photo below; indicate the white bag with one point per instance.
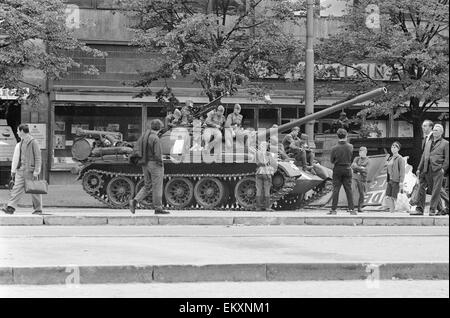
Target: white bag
{"x": 402, "y": 204}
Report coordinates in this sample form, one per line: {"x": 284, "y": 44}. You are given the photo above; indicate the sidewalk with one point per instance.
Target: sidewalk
{"x": 96, "y": 255}
{"x": 96, "y": 216}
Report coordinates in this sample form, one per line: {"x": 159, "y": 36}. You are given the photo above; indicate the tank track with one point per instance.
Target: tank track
{"x": 102, "y": 196}
{"x": 298, "y": 201}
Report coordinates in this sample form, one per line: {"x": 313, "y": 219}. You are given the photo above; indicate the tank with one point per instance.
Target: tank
{"x": 194, "y": 179}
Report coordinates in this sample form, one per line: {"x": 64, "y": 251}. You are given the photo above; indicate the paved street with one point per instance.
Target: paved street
{"x": 321, "y": 289}
{"x": 46, "y": 246}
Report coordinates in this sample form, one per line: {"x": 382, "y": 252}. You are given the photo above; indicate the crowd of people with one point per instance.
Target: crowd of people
{"x": 433, "y": 165}
{"x": 432, "y": 168}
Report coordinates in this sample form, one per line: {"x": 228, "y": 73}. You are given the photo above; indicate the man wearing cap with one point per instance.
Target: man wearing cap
{"x": 432, "y": 168}
{"x": 359, "y": 167}
{"x": 215, "y": 120}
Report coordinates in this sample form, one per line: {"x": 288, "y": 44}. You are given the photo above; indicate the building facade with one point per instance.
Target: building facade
{"x": 106, "y": 101}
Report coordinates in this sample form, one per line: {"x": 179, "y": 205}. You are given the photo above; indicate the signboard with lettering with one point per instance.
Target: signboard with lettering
{"x": 39, "y": 132}
{"x": 7, "y": 142}
{"x": 8, "y": 93}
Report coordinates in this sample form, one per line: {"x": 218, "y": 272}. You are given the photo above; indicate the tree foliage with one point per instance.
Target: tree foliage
{"x": 221, "y": 44}
{"x": 412, "y": 41}
{"x": 34, "y": 36}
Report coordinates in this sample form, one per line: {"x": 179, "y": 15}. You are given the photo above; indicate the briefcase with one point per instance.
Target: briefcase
{"x": 36, "y": 186}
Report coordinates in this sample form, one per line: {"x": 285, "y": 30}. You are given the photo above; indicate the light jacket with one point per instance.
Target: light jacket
{"x": 31, "y": 157}
{"x": 16, "y": 158}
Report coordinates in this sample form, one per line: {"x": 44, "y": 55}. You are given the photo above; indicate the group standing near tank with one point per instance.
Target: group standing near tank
{"x": 250, "y": 173}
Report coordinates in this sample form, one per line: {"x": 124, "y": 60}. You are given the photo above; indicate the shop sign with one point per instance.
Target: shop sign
{"x": 11, "y": 93}
{"x": 39, "y": 132}
{"x": 7, "y": 142}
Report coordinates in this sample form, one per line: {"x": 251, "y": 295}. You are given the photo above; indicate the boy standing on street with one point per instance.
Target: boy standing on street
{"x": 264, "y": 161}
{"x": 341, "y": 157}
{"x": 359, "y": 167}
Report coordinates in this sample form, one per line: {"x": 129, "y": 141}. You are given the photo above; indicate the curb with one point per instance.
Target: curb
{"x": 123, "y": 274}
{"x": 142, "y": 220}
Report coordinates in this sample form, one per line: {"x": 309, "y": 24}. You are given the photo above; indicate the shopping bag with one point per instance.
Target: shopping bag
{"x": 402, "y": 204}
{"x": 36, "y": 186}
{"x": 414, "y": 195}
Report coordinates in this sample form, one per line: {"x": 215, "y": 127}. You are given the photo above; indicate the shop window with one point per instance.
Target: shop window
{"x": 82, "y": 4}
{"x": 268, "y": 117}
{"x": 156, "y": 113}
{"x": 124, "y": 120}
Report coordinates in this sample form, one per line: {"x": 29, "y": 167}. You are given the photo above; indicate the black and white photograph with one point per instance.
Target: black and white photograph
{"x": 224, "y": 155}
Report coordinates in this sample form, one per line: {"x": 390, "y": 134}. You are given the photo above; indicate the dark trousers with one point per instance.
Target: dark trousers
{"x": 263, "y": 185}
{"x": 431, "y": 180}
{"x": 342, "y": 176}
{"x": 153, "y": 177}
{"x": 361, "y": 188}
{"x": 304, "y": 157}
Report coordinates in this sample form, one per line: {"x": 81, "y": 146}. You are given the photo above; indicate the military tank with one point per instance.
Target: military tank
{"x": 224, "y": 179}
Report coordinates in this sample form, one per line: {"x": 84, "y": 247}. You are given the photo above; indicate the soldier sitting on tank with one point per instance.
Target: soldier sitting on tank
{"x": 214, "y": 122}
{"x": 174, "y": 120}
{"x": 234, "y": 124}
{"x": 342, "y": 122}
{"x": 186, "y": 116}
{"x": 305, "y": 155}
{"x": 290, "y": 142}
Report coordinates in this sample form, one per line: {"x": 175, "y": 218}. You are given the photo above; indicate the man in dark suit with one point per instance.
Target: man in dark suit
{"x": 432, "y": 168}
{"x": 427, "y": 128}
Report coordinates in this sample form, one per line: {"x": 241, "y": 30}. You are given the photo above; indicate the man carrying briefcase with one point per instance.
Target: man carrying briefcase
{"x": 26, "y": 165}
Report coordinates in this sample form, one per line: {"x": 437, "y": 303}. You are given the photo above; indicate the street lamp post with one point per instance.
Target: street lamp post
{"x": 309, "y": 74}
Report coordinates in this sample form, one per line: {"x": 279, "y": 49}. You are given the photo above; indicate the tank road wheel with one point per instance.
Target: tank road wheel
{"x": 209, "y": 192}
{"x": 277, "y": 181}
{"x": 147, "y": 202}
{"x": 179, "y": 192}
{"x": 92, "y": 181}
{"x": 120, "y": 191}
{"x": 245, "y": 193}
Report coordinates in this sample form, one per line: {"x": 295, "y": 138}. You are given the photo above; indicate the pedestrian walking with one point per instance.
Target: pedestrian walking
{"x": 341, "y": 158}
{"x": 432, "y": 168}
{"x": 427, "y": 128}
{"x": 26, "y": 165}
{"x": 153, "y": 168}
{"x": 265, "y": 162}
{"x": 395, "y": 176}
{"x": 359, "y": 166}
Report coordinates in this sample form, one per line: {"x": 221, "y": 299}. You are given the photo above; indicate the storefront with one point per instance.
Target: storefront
{"x": 10, "y": 118}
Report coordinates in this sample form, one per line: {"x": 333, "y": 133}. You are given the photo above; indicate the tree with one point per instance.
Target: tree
{"x": 221, "y": 44}
{"x": 34, "y": 36}
{"x": 412, "y": 41}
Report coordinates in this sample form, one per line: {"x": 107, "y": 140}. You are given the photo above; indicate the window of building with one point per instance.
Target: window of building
{"x": 82, "y": 4}
{"x": 125, "y": 120}
{"x": 268, "y": 117}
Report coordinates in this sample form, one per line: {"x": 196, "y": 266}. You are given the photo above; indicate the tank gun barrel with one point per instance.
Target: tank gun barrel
{"x": 357, "y": 99}
{"x": 208, "y": 107}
